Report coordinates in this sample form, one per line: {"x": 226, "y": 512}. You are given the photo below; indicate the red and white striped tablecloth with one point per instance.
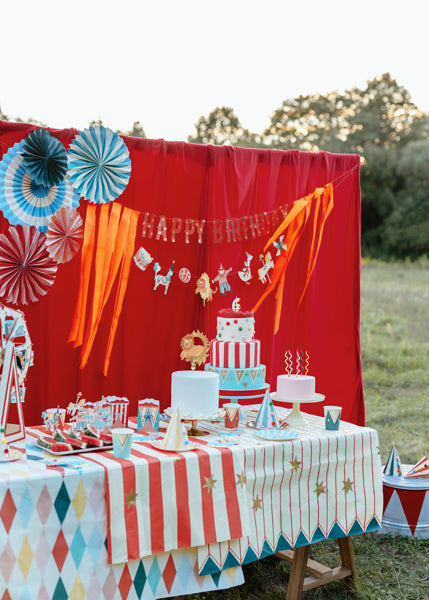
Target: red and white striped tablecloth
{"x": 158, "y": 501}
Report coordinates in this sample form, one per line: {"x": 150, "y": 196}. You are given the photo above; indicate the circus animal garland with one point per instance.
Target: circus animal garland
{"x": 162, "y": 279}
{"x": 267, "y": 264}
{"x": 204, "y": 289}
{"x": 246, "y": 274}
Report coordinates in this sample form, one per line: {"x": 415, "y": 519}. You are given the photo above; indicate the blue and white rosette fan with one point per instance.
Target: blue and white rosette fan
{"x": 99, "y": 165}
{"x": 25, "y": 202}
{"x": 45, "y": 158}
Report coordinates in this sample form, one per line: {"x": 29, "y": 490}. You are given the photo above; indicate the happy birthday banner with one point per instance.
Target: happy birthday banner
{"x": 168, "y": 229}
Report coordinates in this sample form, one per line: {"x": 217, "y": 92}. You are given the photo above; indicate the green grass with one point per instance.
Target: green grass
{"x": 395, "y": 368}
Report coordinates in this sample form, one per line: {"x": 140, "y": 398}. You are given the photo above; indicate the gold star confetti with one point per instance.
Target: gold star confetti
{"x": 320, "y": 489}
{"x": 210, "y": 483}
{"x": 130, "y": 499}
{"x": 241, "y": 478}
{"x": 257, "y": 503}
{"x": 295, "y": 464}
{"x": 348, "y": 485}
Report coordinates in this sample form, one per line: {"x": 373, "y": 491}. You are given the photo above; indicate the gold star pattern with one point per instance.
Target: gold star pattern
{"x": 241, "y": 478}
{"x": 295, "y": 464}
{"x": 130, "y": 499}
{"x": 210, "y": 483}
{"x": 348, "y": 485}
{"x": 320, "y": 489}
{"x": 257, "y": 503}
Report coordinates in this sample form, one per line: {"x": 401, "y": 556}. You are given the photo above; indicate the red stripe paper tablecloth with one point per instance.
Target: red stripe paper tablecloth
{"x": 154, "y": 503}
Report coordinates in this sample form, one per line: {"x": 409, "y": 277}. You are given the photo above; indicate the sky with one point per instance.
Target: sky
{"x": 167, "y": 62}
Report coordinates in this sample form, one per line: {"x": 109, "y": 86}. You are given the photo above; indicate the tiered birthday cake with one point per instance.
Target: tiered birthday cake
{"x": 235, "y": 357}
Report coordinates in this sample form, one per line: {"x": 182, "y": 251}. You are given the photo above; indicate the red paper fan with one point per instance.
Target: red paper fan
{"x": 64, "y": 235}
{"x": 26, "y": 270}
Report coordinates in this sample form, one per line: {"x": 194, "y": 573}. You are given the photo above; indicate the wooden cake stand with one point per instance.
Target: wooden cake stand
{"x": 295, "y": 418}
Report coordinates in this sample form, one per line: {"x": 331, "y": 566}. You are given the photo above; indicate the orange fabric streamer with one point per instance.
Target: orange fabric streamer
{"x": 104, "y": 275}
{"x": 304, "y": 211}
{"x": 115, "y": 247}
{"x": 123, "y": 281}
{"x": 76, "y": 333}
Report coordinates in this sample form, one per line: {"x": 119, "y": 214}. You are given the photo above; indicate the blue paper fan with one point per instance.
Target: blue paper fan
{"x": 99, "y": 164}
{"x": 25, "y": 202}
{"x": 45, "y": 158}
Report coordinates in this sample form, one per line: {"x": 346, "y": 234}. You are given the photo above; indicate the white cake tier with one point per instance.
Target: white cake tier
{"x": 235, "y": 326}
{"x": 296, "y": 387}
{"x": 196, "y": 393}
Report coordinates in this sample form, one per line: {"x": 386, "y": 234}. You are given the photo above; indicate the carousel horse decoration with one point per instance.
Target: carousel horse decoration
{"x": 162, "y": 279}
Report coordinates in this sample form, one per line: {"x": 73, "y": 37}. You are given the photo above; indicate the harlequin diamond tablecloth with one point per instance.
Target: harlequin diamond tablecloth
{"x": 54, "y": 519}
{"x": 53, "y": 540}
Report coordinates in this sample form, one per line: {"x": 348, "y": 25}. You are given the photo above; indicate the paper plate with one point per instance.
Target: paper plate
{"x": 157, "y": 444}
{"x": 11, "y": 456}
{"x": 275, "y": 435}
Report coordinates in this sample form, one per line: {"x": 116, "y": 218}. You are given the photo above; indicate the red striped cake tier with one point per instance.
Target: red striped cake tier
{"x": 235, "y": 355}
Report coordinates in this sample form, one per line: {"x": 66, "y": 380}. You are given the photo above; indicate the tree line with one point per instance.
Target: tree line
{"x": 380, "y": 123}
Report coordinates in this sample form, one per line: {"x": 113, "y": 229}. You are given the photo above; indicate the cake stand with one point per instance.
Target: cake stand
{"x": 295, "y": 418}
{"x": 194, "y": 431}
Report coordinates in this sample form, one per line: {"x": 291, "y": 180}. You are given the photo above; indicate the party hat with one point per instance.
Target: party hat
{"x": 176, "y": 437}
{"x": 420, "y": 469}
{"x": 393, "y": 466}
{"x": 267, "y": 417}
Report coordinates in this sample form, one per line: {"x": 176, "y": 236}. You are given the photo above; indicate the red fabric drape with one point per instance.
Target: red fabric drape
{"x": 176, "y": 179}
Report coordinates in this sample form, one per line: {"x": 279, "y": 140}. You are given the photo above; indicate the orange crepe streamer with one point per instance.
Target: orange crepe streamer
{"x": 123, "y": 281}
{"x": 305, "y": 210}
{"x": 326, "y": 204}
{"x": 76, "y": 333}
{"x": 107, "y": 236}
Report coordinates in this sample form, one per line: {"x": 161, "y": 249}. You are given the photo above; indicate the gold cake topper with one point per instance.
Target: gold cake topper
{"x": 192, "y": 351}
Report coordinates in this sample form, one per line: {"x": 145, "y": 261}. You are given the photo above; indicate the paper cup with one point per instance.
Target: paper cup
{"x": 332, "y": 417}
{"x": 122, "y": 439}
{"x": 232, "y": 415}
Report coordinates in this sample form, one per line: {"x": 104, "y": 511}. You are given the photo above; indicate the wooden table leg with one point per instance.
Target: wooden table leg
{"x": 348, "y": 559}
{"x": 297, "y": 574}
{"x": 321, "y": 575}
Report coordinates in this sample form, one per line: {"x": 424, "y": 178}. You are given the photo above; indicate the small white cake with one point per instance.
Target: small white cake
{"x": 196, "y": 393}
{"x": 296, "y": 387}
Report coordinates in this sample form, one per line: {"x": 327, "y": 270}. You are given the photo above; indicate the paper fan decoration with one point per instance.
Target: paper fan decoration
{"x": 64, "y": 235}
{"x": 45, "y": 158}
{"x": 26, "y": 270}
{"x": 99, "y": 165}
{"x": 25, "y": 202}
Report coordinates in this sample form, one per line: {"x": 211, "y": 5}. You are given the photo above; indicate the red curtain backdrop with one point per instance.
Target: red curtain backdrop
{"x": 176, "y": 179}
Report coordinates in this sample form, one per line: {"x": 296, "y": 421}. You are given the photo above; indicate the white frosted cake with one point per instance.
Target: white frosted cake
{"x": 196, "y": 393}
{"x": 296, "y": 387}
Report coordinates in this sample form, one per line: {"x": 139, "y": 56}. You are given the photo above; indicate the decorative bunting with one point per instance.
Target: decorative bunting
{"x": 163, "y": 279}
{"x": 168, "y": 229}
{"x": 222, "y": 278}
{"x": 246, "y": 274}
{"x": 204, "y": 289}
